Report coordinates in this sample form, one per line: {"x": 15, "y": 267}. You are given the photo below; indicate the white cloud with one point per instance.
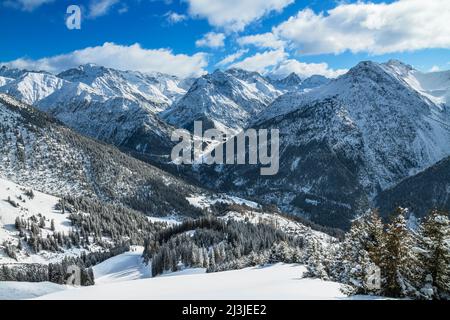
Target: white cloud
{"x": 99, "y": 8}
{"x": 234, "y": 15}
{"x": 261, "y": 62}
{"x": 173, "y": 17}
{"x": 211, "y": 40}
{"x": 305, "y": 70}
{"x": 404, "y": 25}
{"x": 132, "y": 57}
{"x": 231, "y": 58}
{"x": 26, "y": 5}
{"x": 278, "y": 65}
{"x": 265, "y": 40}
{"x": 435, "y": 69}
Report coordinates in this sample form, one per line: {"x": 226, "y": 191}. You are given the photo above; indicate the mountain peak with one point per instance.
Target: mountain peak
{"x": 398, "y": 63}
{"x": 292, "y": 79}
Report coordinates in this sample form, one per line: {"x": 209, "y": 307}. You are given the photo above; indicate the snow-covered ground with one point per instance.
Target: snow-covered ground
{"x": 204, "y": 202}
{"x": 125, "y": 277}
{"x": 280, "y": 281}
{"x": 27, "y": 290}
{"x": 124, "y": 267}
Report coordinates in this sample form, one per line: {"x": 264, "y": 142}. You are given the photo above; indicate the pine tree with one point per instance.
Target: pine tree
{"x": 375, "y": 236}
{"x": 52, "y": 225}
{"x": 315, "y": 258}
{"x": 42, "y": 222}
{"x": 355, "y": 267}
{"x": 399, "y": 262}
{"x": 434, "y": 255}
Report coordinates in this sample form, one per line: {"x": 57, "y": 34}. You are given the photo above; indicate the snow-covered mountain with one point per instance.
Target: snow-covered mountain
{"x": 40, "y": 153}
{"x": 224, "y": 99}
{"x": 344, "y": 142}
{"x": 25, "y": 205}
{"x": 126, "y": 123}
{"x": 11, "y": 73}
{"x": 103, "y": 103}
{"x": 158, "y": 88}
{"x": 433, "y": 85}
{"x": 31, "y": 87}
{"x": 293, "y": 83}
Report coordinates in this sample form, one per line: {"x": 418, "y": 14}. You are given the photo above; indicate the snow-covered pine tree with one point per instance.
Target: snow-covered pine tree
{"x": 355, "y": 265}
{"x": 434, "y": 255}
{"x": 399, "y": 263}
{"x": 316, "y": 260}
{"x": 375, "y": 236}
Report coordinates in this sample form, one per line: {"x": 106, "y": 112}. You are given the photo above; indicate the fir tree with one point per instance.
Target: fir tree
{"x": 434, "y": 255}
{"x": 356, "y": 267}
{"x": 399, "y": 262}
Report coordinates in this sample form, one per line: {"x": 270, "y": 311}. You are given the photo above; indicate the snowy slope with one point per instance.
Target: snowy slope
{"x": 276, "y": 282}
{"x": 27, "y": 290}
{"x": 419, "y": 193}
{"x": 124, "y": 267}
{"x": 40, "y": 153}
{"x": 433, "y": 85}
{"x": 41, "y": 205}
{"x": 5, "y": 80}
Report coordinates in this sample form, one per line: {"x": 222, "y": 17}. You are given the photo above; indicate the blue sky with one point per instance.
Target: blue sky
{"x": 190, "y": 37}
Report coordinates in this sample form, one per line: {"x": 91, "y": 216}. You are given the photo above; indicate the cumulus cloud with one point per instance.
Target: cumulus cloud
{"x": 99, "y": 8}
{"x": 261, "y": 62}
{"x": 26, "y": 5}
{"x": 132, "y": 57}
{"x": 277, "y": 64}
{"x": 211, "y": 40}
{"x": 404, "y": 25}
{"x": 174, "y": 18}
{"x": 305, "y": 70}
{"x": 231, "y": 58}
{"x": 265, "y": 40}
{"x": 234, "y": 15}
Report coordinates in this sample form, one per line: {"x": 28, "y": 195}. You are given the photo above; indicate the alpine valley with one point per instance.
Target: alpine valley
{"x": 86, "y": 179}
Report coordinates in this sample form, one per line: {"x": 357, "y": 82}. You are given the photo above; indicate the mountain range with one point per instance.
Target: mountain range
{"x": 346, "y": 144}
